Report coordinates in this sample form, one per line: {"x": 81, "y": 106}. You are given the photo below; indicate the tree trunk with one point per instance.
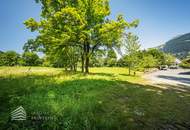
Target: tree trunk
{"x": 82, "y": 62}
{"x": 129, "y": 70}
{"x": 74, "y": 68}
{"x": 87, "y": 65}
{"x": 87, "y": 50}
{"x": 71, "y": 68}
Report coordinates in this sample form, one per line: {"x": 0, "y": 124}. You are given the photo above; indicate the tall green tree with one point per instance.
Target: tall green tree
{"x": 68, "y": 58}
{"x": 157, "y": 54}
{"x": 132, "y": 48}
{"x": 148, "y": 61}
{"x": 30, "y": 59}
{"x": 98, "y": 58}
{"x": 111, "y": 58}
{"x": 78, "y": 23}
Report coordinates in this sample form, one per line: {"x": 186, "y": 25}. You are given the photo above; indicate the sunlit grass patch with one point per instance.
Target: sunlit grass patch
{"x": 107, "y": 98}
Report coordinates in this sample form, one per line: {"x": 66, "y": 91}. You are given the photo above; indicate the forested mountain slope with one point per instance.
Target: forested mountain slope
{"x": 179, "y": 46}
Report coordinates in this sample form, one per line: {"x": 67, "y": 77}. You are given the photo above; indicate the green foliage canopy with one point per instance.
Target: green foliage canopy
{"x": 132, "y": 47}
{"x": 30, "y": 59}
{"x": 81, "y": 23}
{"x": 9, "y": 58}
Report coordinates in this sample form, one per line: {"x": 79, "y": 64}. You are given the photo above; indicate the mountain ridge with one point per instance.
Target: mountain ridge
{"x": 178, "y": 46}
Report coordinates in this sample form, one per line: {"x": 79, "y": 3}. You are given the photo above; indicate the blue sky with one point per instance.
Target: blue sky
{"x": 160, "y": 20}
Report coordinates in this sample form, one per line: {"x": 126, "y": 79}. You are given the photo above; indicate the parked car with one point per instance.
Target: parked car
{"x": 173, "y": 67}
{"x": 163, "y": 67}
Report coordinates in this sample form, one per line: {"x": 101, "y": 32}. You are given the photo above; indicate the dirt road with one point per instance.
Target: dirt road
{"x": 170, "y": 76}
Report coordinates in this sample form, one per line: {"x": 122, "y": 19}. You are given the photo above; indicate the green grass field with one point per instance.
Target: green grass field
{"x": 106, "y": 99}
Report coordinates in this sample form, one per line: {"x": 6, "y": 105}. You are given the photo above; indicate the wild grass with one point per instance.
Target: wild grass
{"x": 107, "y": 99}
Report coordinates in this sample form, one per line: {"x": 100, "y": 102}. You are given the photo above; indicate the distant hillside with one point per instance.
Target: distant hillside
{"x": 179, "y": 46}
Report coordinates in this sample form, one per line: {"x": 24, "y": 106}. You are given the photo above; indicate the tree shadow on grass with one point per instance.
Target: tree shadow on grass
{"x": 179, "y": 88}
{"x": 92, "y": 104}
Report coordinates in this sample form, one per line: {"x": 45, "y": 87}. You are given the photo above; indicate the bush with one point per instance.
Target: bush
{"x": 185, "y": 63}
{"x": 9, "y": 58}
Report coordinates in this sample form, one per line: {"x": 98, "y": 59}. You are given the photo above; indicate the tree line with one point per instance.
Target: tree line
{"x": 12, "y": 58}
{"x": 132, "y": 57}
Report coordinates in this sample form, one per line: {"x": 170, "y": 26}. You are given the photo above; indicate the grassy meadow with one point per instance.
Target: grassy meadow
{"x": 105, "y": 99}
